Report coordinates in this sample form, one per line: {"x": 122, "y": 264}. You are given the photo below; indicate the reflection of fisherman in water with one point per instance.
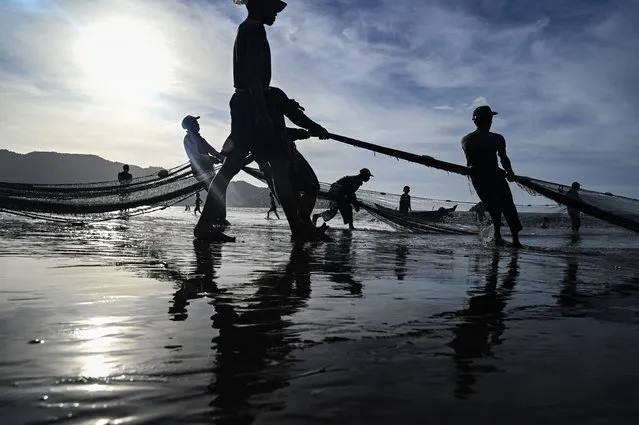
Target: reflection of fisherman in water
{"x": 568, "y": 295}
{"x": 252, "y": 343}
{"x": 338, "y": 263}
{"x": 482, "y": 326}
{"x": 200, "y": 281}
{"x": 400, "y": 261}
{"x": 252, "y": 346}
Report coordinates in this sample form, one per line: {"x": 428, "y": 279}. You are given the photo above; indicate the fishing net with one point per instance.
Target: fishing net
{"x": 142, "y": 194}
{"x": 617, "y": 210}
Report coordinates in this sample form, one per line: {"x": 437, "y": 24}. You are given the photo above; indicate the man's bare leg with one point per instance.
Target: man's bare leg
{"x": 214, "y": 210}
{"x": 286, "y": 194}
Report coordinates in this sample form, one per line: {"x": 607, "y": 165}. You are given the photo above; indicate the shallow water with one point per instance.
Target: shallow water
{"x": 130, "y": 321}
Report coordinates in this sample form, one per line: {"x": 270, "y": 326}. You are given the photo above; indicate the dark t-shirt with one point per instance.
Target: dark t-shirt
{"x": 404, "y": 203}
{"x": 481, "y": 150}
{"x": 124, "y": 177}
{"x": 346, "y": 187}
{"x": 251, "y": 56}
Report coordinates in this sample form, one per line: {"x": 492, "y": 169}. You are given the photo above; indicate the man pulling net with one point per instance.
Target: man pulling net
{"x": 481, "y": 148}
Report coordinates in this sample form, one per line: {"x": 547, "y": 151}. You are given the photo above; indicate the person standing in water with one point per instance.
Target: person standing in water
{"x": 404, "y": 201}
{"x": 273, "y": 207}
{"x": 575, "y": 214}
{"x": 482, "y": 148}
{"x": 202, "y": 156}
{"x": 343, "y": 199}
{"x": 198, "y": 202}
{"x": 124, "y": 177}
{"x": 252, "y": 130}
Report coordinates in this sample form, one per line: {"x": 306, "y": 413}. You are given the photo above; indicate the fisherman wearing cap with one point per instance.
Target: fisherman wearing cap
{"x": 255, "y": 113}
{"x": 342, "y": 195}
{"x": 575, "y": 214}
{"x": 404, "y": 201}
{"x": 202, "y": 156}
{"x": 482, "y": 148}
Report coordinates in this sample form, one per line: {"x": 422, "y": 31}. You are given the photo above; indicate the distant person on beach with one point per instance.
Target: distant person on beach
{"x": 202, "y": 156}
{"x": 187, "y": 207}
{"x": 254, "y": 108}
{"x": 574, "y": 213}
{"x": 481, "y": 148}
{"x": 545, "y": 223}
{"x": 124, "y": 177}
{"x": 273, "y": 207}
{"x": 343, "y": 199}
{"x": 404, "y": 201}
{"x": 198, "y": 202}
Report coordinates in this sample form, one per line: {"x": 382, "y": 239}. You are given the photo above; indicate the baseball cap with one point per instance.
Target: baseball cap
{"x": 188, "y": 121}
{"x": 279, "y": 4}
{"x": 483, "y": 112}
{"x": 366, "y": 171}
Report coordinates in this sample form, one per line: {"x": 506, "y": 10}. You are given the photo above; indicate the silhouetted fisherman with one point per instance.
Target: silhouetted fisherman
{"x": 273, "y": 207}
{"x": 252, "y": 112}
{"x": 575, "y": 214}
{"x": 201, "y": 154}
{"x": 124, "y": 177}
{"x": 198, "y": 202}
{"x": 482, "y": 148}
{"x": 404, "y": 201}
{"x": 343, "y": 199}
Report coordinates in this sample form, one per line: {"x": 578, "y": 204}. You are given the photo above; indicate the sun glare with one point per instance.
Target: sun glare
{"x": 123, "y": 59}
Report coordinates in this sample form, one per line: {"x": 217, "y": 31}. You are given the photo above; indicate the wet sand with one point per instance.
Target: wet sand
{"x": 134, "y": 322}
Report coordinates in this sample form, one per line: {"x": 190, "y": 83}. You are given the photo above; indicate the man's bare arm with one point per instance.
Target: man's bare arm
{"x": 505, "y": 161}
{"x": 294, "y": 112}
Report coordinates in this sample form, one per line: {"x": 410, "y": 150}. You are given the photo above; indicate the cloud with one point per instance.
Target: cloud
{"x": 399, "y": 73}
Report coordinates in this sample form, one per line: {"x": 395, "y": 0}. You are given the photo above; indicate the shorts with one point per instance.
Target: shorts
{"x": 247, "y": 136}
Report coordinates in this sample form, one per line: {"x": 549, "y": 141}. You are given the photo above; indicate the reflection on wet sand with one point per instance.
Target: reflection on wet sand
{"x": 400, "y": 261}
{"x": 253, "y": 344}
{"x": 483, "y": 325}
{"x": 339, "y": 262}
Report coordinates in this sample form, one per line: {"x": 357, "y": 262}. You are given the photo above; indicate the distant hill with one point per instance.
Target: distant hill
{"x": 55, "y": 168}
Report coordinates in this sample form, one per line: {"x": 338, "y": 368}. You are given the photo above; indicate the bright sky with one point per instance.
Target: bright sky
{"x": 115, "y": 77}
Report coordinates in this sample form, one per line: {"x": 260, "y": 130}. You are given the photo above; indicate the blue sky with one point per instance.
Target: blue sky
{"x": 401, "y": 73}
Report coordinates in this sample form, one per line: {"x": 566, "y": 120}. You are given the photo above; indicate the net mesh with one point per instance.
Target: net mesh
{"x": 98, "y": 198}
{"x": 618, "y": 210}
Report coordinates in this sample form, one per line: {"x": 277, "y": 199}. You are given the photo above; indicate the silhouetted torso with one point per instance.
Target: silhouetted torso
{"x": 404, "y": 203}
{"x": 251, "y": 55}
{"x": 481, "y": 150}
{"x": 347, "y": 185}
{"x": 124, "y": 177}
